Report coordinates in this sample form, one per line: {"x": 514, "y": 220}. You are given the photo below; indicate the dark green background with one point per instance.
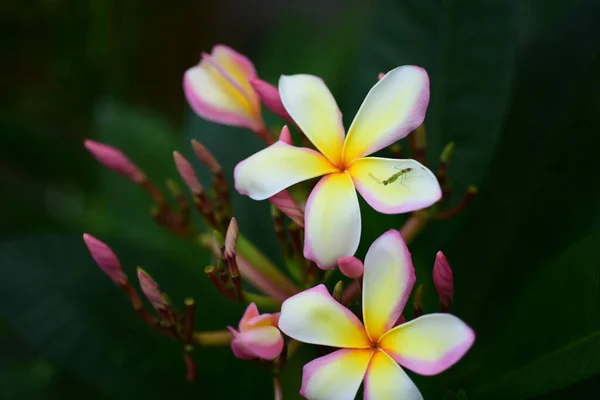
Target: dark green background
{"x": 515, "y": 84}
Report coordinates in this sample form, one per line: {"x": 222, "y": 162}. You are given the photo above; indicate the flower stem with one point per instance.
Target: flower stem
{"x": 212, "y": 338}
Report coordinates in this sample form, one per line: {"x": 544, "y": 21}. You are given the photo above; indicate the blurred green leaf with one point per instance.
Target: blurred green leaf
{"x": 556, "y": 338}
{"x": 60, "y": 304}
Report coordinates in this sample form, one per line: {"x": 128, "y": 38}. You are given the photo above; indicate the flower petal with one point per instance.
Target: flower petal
{"x": 336, "y": 376}
{"x": 387, "y": 380}
{"x": 265, "y": 342}
{"x": 394, "y": 107}
{"x": 239, "y": 350}
{"x": 218, "y": 90}
{"x": 415, "y": 187}
{"x": 332, "y": 220}
{"x": 250, "y": 313}
{"x": 429, "y": 344}
{"x": 278, "y": 167}
{"x": 387, "y": 281}
{"x": 312, "y": 106}
{"x": 313, "y": 316}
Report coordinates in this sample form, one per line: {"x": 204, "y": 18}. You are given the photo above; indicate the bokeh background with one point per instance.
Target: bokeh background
{"x": 515, "y": 84}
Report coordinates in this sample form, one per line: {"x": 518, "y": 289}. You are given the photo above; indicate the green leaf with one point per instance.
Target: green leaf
{"x": 555, "y": 338}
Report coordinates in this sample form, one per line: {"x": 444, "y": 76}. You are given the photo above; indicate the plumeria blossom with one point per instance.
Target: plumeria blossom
{"x": 219, "y": 90}
{"x": 257, "y": 336}
{"x": 393, "y": 108}
{"x": 376, "y": 351}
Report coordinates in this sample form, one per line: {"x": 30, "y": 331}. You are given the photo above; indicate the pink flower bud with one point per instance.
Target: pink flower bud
{"x": 206, "y": 157}
{"x": 231, "y": 237}
{"x": 380, "y": 75}
{"x": 218, "y": 89}
{"x": 151, "y": 290}
{"x": 187, "y": 173}
{"x": 270, "y": 98}
{"x": 258, "y": 336}
{"x": 287, "y": 205}
{"x": 114, "y": 159}
{"x": 106, "y": 259}
{"x": 285, "y": 136}
{"x": 443, "y": 280}
{"x": 351, "y": 267}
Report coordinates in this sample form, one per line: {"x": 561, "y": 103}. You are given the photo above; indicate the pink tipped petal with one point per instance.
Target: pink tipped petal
{"x": 276, "y": 168}
{"x": 151, "y": 290}
{"x": 415, "y": 187}
{"x": 387, "y": 281}
{"x": 218, "y": 89}
{"x": 386, "y": 380}
{"x": 394, "y": 107}
{"x": 429, "y": 344}
{"x": 332, "y": 221}
{"x": 351, "y": 267}
{"x": 443, "y": 280}
{"x": 270, "y": 98}
{"x": 313, "y": 108}
{"x": 115, "y": 160}
{"x": 336, "y": 376}
{"x": 240, "y": 351}
{"x": 250, "y": 313}
{"x": 187, "y": 173}
{"x": 313, "y": 316}
{"x": 263, "y": 342}
{"x": 287, "y": 205}
{"x": 105, "y": 258}
{"x": 285, "y": 136}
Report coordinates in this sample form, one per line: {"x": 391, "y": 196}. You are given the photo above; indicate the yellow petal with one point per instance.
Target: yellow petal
{"x": 312, "y": 106}
{"x": 336, "y": 376}
{"x": 386, "y": 380}
{"x": 394, "y": 107}
{"x": 387, "y": 281}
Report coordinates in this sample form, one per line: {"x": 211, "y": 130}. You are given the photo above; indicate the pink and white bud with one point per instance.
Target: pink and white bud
{"x": 287, "y": 205}
{"x": 231, "y": 237}
{"x": 106, "y": 259}
{"x": 380, "y": 76}
{"x": 257, "y": 336}
{"x": 285, "y": 136}
{"x": 351, "y": 267}
{"x": 206, "y": 157}
{"x": 270, "y": 98}
{"x": 115, "y": 160}
{"x": 443, "y": 280}
{"x": 187, "y": 173}
{"x": 218, "y": 89}
{"x": 151, "y": 290}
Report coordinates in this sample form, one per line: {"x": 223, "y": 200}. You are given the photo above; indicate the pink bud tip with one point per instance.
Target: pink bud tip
{"x": 269, "y": 95}
{"x": 380, "y": 75}
{"x": 231, "y": 237}
{"x": 287, "y": 205}
{"x": 106, "y": 259}
{"x": 206, "y": 157}
{"x": 151, "y": 291}
{"x": 115, "y": 160}
{"x": 187, "y": 173}
{"x": 285, "y": 136}
{"x": 351, "y": 267}
{"x": 443, "y": 280}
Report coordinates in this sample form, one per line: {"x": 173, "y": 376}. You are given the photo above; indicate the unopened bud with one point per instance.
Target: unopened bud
{"x": 231, "y": 238}
{"x": 338, "y": 291}
{"x": 351, "y": 267}
{"x": 447, "y": 153}
{"x": 418, "y": 302}
{"x": 285, "y": 136}
{"x": 287, "y": 205}
{"x": 187, "y": 173}
{"x": 151, "y": 291}
{"x": 269, "y": 95}
{"x": 443, "y": 281}
{"x": 106, "y": 259}
{"x": 206, "y": 157}
{"x": 115, "y": 160}
{"x": 380, "y": 76}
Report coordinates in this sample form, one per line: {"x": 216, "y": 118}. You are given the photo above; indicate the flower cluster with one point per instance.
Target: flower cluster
{"x": 318, "y": 228}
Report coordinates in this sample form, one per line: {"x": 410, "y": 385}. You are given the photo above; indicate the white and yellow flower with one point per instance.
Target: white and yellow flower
{"x": 394, "y": 107}
{"x": 376, "y": 351}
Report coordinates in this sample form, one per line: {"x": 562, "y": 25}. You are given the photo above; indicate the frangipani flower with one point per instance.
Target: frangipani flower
{"x": 218, "y": 89}
{"x": 427, "y": 345}
{"x": 257, "y": 336}
{"x": 394, "y": 107}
